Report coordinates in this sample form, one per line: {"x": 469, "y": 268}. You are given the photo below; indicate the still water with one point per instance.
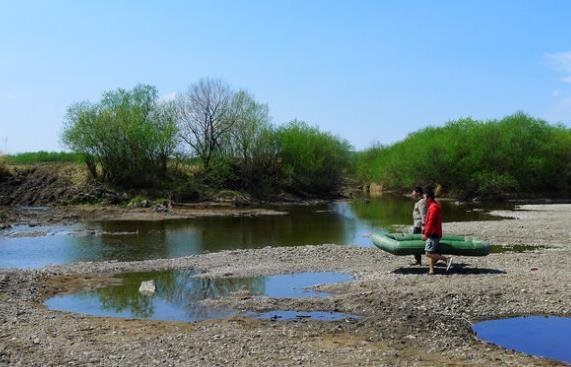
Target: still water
{"x": 543, "y": 336}
{"x": 345, "y": 223}
{"x": 179, "y": 292}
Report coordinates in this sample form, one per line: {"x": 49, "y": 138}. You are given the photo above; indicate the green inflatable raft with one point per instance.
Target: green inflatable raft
{"x": 412, "y": 244}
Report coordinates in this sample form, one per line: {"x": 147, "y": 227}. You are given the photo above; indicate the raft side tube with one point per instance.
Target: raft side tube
{"x": 401, "y": 244}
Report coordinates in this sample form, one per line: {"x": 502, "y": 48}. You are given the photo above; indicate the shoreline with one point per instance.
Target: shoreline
{"x": 406, "y": 317}
{"x": 77, "y": 213}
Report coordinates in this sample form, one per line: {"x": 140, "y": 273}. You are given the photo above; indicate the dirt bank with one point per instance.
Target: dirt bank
{"x": 408, "y": 318}
{"x": 52, "y": 184}
{"x": 36, "y": 216}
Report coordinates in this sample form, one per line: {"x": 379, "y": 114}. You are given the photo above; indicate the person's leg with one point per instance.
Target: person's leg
{"x": 434, "y": 257}
{"x": 431, "y": 249}
{"x": 430, "y": 263}
{"x": 417, "y": 258}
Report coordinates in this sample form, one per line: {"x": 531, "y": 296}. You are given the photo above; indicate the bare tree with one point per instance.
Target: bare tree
{"x": 163, "y": 118}
{"x": 205, "y": 114}
{"x": 252, "y": 119}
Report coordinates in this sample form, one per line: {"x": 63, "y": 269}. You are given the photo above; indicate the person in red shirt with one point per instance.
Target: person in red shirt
{"x": 433, "y": 231}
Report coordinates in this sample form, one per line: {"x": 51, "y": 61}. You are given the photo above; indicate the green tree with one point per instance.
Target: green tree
{"x": 253, "y": 145}
{"x": 313, "y": 161}
{"x": 126, "y": 138}
{"x": 517, "y": 155}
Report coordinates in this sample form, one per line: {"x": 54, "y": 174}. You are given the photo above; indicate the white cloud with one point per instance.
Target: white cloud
{"x": 561, "y": 61}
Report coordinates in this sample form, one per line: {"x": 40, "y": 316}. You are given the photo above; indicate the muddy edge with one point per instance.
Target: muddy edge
{"x": 407, "y": 319}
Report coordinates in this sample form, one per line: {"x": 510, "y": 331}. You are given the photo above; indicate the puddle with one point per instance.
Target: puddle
{"x": 543, "y": 336}
{"x": 179, "y": 292}
{"x": 302, "y": 315}
{"x": 500, "y": 249}
{"x": 299, "y": 285}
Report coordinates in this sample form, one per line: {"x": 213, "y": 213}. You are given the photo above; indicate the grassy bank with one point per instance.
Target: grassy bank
{"x": 43, "y": 157}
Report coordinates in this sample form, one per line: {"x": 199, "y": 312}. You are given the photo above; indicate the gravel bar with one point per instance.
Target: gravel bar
{"x": 407, "y": 317}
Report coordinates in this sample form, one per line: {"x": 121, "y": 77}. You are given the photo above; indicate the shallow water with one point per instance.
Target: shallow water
{"x": 179, "y": 292}
{"x": 543, "y": 336}
{"x": 340, "y": 223}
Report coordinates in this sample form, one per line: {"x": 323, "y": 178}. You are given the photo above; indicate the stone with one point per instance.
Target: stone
{"x": 147, "y": 288}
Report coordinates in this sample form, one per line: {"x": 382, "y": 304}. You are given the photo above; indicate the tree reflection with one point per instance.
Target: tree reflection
{"x": 384, "y": 211}
{"x": 180, "y": 288}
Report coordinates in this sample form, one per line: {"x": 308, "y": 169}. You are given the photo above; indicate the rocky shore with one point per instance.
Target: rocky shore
{"x": 407, "y": 318}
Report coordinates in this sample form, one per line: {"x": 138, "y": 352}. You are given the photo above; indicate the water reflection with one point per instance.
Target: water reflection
{"x": 538, "y": 335}
{"x": 339, "y": 223}
{"x": 179, "y": 292}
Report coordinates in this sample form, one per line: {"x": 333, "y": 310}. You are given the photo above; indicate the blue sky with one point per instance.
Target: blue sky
{"x": 368, "y": 71}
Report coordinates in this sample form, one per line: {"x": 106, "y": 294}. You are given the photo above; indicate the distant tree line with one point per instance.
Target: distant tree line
{"x": 213, "y": 136}
{"x": 514, "y": 156}
{"x": 223, "y": 137}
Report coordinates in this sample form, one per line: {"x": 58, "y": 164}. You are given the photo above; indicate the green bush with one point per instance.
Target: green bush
{"x": 517, "y": 155}
{"x": 127, "y": 138}
{"x": 221, "y": 173}
{"x": 312, "y": 161}
{"x": 252, "y": 144}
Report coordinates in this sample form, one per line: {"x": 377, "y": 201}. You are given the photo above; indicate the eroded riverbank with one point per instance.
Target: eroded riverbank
{"x": 407, "y": 317}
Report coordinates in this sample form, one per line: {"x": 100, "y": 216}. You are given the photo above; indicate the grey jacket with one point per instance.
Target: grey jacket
{"x": 419, "y": 213}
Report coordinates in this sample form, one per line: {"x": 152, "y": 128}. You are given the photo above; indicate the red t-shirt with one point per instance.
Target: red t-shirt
{"x": 433, "y": 222}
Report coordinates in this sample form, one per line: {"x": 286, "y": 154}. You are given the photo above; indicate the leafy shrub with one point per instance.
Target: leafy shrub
{"x": 222, "y": 172}
{"x": 253, "y": 145}
{"x": 126, "y": 138}
{"x": 312, "y": 161}
{"x": 517, "y": 155}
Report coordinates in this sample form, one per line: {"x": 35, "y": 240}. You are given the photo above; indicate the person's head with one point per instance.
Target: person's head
{"x": 429, "y": 192}
{"x": 417, "y": 192}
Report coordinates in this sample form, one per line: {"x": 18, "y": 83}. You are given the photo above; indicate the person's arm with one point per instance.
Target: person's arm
{"x": 429, "y": 223}
{"x": 422, "y": 208}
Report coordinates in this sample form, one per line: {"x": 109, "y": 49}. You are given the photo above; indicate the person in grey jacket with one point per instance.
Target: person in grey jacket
{"x": 418, "y": 215}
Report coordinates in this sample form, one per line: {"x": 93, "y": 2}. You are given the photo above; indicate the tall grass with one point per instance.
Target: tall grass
{"x": 43, "y": 156}
{"x": 517, "y": 155}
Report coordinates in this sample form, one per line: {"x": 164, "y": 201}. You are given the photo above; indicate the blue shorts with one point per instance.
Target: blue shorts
{"x": 431, "y": 245}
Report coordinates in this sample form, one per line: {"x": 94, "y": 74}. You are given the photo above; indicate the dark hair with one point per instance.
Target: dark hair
{"x": 429, "y": 191}
{"x": 418, "y": 190}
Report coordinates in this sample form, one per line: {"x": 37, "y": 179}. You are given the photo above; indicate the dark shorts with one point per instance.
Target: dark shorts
{"x": 431, "y": 245}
